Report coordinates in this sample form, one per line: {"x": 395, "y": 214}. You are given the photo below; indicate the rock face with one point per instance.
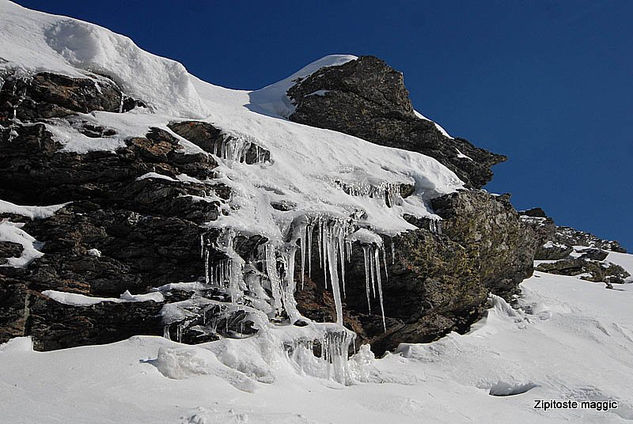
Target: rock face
{"x": 573, "y": 252}
{"x": 366, "y": 98}
{"x": 440, "y": 278}
{"x": 137, "y": 217}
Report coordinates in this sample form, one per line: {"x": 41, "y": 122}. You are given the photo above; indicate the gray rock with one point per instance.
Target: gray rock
{"x": 367, "y": 98}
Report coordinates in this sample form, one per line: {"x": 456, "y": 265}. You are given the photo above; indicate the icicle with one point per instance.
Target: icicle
{"x": 393, "y": 252}
{"x": 206, "y": 266}
{"x": 340, "y": 245}
{"x": 202, "y": 249}
{"x": 273, "y": 276}
{"x": 323, "y": 227}
{"x": 348, "y": 249}
{"x": 309, "y": 230}
{"x": 332, "y": 259}
{"x": 320, "y": 242}
{"x": 235, "y": 276}
{"x": 166, "y": 332}
{"x": 290, "y": 303}
{"x": 302, "y": 243}
{"x": 367, "y": 283}
{"x": 379, "y": 284}
{"x": 384, "y": 261}
{"x": 372, "y": 271}
{"x": 179, "y": 333}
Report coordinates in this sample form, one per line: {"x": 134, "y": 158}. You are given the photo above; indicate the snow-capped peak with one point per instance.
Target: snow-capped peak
{"x": 273, "y": 100}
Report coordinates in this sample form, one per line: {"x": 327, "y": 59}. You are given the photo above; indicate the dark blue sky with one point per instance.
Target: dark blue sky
{"x": 548, "y": 83}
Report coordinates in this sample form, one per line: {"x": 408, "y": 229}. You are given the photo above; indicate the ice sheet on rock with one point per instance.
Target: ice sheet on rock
{"x": 155, "y": 176}
{"x": 76, "y": 142}
{"x": 32, "y": 212}
{"x": 76, "y": 299}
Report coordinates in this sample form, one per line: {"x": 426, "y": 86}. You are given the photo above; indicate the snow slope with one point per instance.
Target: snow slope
{"x": 572, "y": 339}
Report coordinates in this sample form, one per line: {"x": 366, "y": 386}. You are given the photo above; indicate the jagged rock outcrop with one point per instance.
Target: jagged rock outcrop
{"x": 367, "y": 98}
{"x": 137, "y": 219}
{"x": 562, "y": 248}
{"x": 440, "y": 278}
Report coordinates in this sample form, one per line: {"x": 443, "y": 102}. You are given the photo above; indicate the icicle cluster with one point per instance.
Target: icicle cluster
{"x": 373, "y": 250}
{"x": 227, "y": 272}
{"x": 272, "y": 270}
{"x": 389, "y": 192}
{"x": 12, "y": 126}
{"x": 236, "y": 148}
{"x": 334, "y": 344}
{"x": 435, "y": 226}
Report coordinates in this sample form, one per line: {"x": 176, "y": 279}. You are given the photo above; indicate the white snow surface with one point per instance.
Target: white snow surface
{"x": 32, "y": 212}
{"x": 12, "y": 232}
{"x": 76, "y": 299}
{"x": 576, "y": 343}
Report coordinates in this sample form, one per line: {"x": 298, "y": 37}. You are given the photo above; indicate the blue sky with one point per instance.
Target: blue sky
{"x": 548, "y": 83}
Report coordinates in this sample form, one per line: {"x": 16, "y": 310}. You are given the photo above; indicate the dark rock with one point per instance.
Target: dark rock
{"x": 593, "y": 270}
{"x": 553, "y": 251}
{"x": 14, "y": 311}
{"x": 212, "y": 140}
{"x": 47, "y": 95}
{"x": 534, "y": 212}
{"x": 367, "y": 98}
{"x": 56, "y": 326}
{"x": 9, "y": 250}
{"x": 490, "y": 229}
{"x": 137, "y": 251}
{"x": 595, "y": 254}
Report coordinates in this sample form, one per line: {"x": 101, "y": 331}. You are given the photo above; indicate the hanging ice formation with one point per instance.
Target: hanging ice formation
{"x": 389, "y": 192}
{"x": 333, "y": 343}
{"x": 373, "y": 250}
{"x": 237, "y": 147}
{"x": 226, "y": 272}
{"x": 435, "y": 226}
{"x": 335, "y": 238}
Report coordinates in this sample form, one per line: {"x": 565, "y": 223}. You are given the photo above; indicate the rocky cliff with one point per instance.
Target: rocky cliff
{"x": 203, "y": 217}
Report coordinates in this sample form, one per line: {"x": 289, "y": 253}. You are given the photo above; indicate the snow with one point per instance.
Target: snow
{"x": 625, "y": 260}
{"x": 33, "y": 41}
{"x": 440, "y": 129}
{"x": 76, "y": 299}
{"x": 12, "y": 232}
{"x": 272, "y": 99}
{"x": 320, "y": 93}
{"x": 32, "y": 212}
{"x": 575, "y": 343}
{"x": 461, "y": 155}
{"x": 155, "y": 175}
{"x": 551, "y": 245}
